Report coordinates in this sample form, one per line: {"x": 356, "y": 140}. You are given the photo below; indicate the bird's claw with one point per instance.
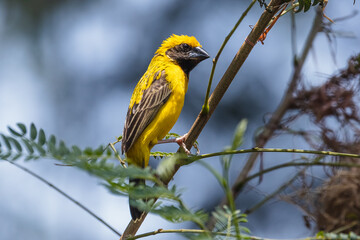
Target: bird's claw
{"x": 197, "y": 149}
{"x": 181, "y": 142}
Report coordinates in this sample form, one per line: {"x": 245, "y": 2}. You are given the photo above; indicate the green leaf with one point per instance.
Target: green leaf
{"x": 316, "y": 2}
{"x": 239, "y": 134}
{"x": 6, "y": 141}
{"x": 41, "y": 138}
{"x": 136, "y": 172}
{"x": 52, "y": 140}
{"x": 16, "y": 157}
{"x": 342, "y": 236}
{"x": 171, "y": 213}
{"x": 221, "y": 219}
{"x": 13, "y": 132}
{"x": 320, "y": 234}
{"x": 33, "y": 131}
{"x": 331, "y": 236}
{"x": 40, "y": 149}
{"x": 28, "y": 146}
{"x": 52, "y": 149}
{"x": 147, "y": 192}
{"x": 353, "y": 236}
{"x": 76, "y": 150}
{"x": 301, "y": 6}
{"x": 109, "y": 152}
{"x": 29, "y": 157}
{"x": 63, "y": 150}
{"x": 225, "y": 220}
{"x": 16, "y": 144}
{"x": 307, "y": 4}
{"x": 5, "y": 156}
{"x": 99, "y": 151}
{"x": 22, "y": 128}
{"x": 88, "y": 151}
{"x": 167, "y": 166}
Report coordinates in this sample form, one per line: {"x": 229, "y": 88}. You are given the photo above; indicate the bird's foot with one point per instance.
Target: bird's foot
{"x": 181, "y": 142}
{"x": 178, "y": 140}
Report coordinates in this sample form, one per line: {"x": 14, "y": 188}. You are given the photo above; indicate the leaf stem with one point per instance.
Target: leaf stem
{"x": 117, "y": 154}
{"x": 198, "y": 231}
{"x": 283, "y": 150}
{"x": 205, "y": 108}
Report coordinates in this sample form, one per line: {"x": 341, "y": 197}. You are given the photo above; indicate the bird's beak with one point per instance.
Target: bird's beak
{"x": 198, "y": 54}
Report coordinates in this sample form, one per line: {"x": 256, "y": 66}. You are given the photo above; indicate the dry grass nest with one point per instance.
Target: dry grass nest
{"x": 339, "y": 203}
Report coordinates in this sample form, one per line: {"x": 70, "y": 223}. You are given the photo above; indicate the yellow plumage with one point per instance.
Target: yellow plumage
{"x": 163, "y": 122}
{"x": 175, "y": 40}
{"x": 159, "y": 96}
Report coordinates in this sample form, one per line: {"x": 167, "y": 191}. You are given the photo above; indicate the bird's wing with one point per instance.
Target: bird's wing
{"x": 140, "y": 115}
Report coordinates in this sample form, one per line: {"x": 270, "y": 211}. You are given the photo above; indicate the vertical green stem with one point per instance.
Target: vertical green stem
{"x": 205, "y": 108}
{"x": 233, "y": 210}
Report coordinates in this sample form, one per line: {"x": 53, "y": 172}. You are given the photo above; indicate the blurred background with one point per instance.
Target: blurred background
{"x": 71, "y": 66}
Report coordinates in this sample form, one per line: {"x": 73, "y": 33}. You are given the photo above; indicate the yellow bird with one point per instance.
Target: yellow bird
{"x": 157, "y": 100}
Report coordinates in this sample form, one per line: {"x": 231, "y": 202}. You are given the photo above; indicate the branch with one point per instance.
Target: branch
{"x": 217, "y": 95}
{"x": 117, "y": 154}
{"x": 247, "y": 237}
{"x": 194, "y": 231}
{"x": 260, "y": 150}
{"x": 179, "y": 231}
{"x": 279, "y": 113}
{"x": 297, "y": 164}
{"x": 215, "y": 60}
{"x": 272, "y": 195}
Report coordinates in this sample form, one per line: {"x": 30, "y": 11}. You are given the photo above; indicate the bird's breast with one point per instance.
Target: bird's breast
{"x": 170, "y": 111}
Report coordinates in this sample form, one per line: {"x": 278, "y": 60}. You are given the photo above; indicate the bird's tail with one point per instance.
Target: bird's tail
{"x": 135, "y": 213}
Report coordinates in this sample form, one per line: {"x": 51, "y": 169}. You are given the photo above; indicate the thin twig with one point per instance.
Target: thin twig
{"x": 346, "y": 227}
{"x": 195, "y": 231}
{"x": 117, "y": 154}
{"x": 291, "y": 8}
{"x": 205, "y": 108}
{"x": 296, "y": 164}
{"x": 293, "y": 33}
{"x": 260, "y": 150}
{"x": 272, "y": 195}
{"x": 64, "y": 194}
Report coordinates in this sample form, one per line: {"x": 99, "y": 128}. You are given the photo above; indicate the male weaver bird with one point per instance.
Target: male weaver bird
{"x": 157, "y": 100}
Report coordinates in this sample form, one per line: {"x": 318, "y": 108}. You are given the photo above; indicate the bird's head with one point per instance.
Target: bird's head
{"x": 184, "y": 50}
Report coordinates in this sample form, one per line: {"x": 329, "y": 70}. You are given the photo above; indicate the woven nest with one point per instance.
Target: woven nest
{"x": 338, "y": 205}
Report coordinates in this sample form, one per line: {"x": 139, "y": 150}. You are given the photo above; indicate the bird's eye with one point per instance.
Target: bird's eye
{"x": 186, "y": 47}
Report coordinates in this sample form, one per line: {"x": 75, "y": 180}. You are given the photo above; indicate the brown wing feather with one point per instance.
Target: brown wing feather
{"x": 141, "y": 115}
